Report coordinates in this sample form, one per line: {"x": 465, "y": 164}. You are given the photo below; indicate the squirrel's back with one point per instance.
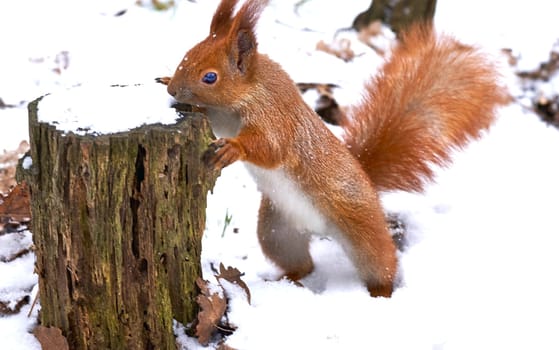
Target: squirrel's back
{"x": 433, "y": 95}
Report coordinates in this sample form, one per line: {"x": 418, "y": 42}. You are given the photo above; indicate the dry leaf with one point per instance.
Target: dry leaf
{"x": 340, "y": 48}
{"x": 8, "y": 163}
{"x": 16, "y": 206}
{"x": 233, "y": 275}
{"x": 368, "y": 35}
{"x": 5, "y": 308}
{"x": 512, "y": 58}
{"x": 212, "y": 309}
{"x": 51, "y": 338}
{"x": 16, "y": 255}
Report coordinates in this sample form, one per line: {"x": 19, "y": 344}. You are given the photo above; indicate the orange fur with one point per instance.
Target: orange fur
{"x": 434, "y": 94}
{"x": 310, "y": 181}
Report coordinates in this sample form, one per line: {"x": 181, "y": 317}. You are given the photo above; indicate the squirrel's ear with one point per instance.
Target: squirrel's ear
{"x": 223, "y": 18}
{"x": 245, "y": 49}
{"x": 242, "y": 36}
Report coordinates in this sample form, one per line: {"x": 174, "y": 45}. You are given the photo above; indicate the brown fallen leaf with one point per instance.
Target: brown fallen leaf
{"x": 233, "y": 275}
{"x": 8, "y": 164}
{"x": 512, "y": 58}
{"x": 212, "y": 309}
{"x": 5, "y": 309}
{"x": 16, "y": 206}
{"x": 368, "y": 33}
{"x": 340, "y": 48}
{"x": 51, "y": 338}
{"x": 16, "y": 255}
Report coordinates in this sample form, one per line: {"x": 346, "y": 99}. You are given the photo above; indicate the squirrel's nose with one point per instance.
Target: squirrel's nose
{"x": 167, "y": 81}
{"x": 171, "y": 90}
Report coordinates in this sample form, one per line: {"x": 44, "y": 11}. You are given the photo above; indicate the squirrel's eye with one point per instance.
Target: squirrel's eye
{"x": 209, "y": 78}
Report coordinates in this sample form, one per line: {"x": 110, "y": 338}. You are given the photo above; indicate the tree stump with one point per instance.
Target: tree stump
{"x": 117, "y": 220}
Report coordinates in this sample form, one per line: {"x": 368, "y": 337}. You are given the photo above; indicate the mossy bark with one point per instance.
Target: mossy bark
{"x": 117, "y": 221}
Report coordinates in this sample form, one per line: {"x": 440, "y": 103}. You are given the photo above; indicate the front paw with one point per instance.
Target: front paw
{"x": 222, "y": 152}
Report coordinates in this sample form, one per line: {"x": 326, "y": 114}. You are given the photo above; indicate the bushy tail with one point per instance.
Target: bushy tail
{"x": 434, "y": 94}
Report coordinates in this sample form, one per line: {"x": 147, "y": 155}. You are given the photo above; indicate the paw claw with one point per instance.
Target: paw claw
{"x": 209, "y": 155}
{"x": 220, "y": 153}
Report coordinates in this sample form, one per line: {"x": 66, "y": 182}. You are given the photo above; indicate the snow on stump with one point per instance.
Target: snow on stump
{"x": 118, "y": 199}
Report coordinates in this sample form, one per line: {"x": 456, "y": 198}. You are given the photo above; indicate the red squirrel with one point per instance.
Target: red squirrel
{"x": 431, "y": 96}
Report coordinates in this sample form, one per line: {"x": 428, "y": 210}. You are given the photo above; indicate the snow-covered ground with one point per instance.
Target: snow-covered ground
{"x": 480, "y": 268}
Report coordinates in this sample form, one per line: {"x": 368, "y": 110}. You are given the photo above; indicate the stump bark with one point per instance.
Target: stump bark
{"x": 117, "y": 221}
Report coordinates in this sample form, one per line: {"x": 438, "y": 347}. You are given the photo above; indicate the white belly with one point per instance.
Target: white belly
{"x": 289, "y": 199}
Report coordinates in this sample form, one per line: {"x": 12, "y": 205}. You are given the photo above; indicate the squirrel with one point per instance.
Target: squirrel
{"x": 433, "y": 95}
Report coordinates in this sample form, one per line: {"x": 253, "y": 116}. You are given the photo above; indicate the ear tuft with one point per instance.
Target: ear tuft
{"x": 248, "y": 15}
{"x": 223, "y": 18}
{"x": 243, "y": 35}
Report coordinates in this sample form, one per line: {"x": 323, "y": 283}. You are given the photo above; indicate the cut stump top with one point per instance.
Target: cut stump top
{"x": 98, "y": 110}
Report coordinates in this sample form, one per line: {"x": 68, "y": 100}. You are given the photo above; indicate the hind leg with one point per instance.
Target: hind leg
{"x": 373, "y": 252}
{"x": 282, "y": 244}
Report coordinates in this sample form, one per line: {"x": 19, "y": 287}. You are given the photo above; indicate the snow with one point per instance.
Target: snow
{"x": 72, "y": 110}
{"x": 27, "y": 163}
{"x": 16, "y": 281}
{"x": 479, "y": 271}
{"x": 527, "y": 30}
{"x": 480, "y": 267}
{"x": 15, "y": 121}
{"x": 17, "y": 276}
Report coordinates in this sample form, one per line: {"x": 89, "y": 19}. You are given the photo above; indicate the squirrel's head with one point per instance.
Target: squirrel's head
{"x": 219, "y": 70}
